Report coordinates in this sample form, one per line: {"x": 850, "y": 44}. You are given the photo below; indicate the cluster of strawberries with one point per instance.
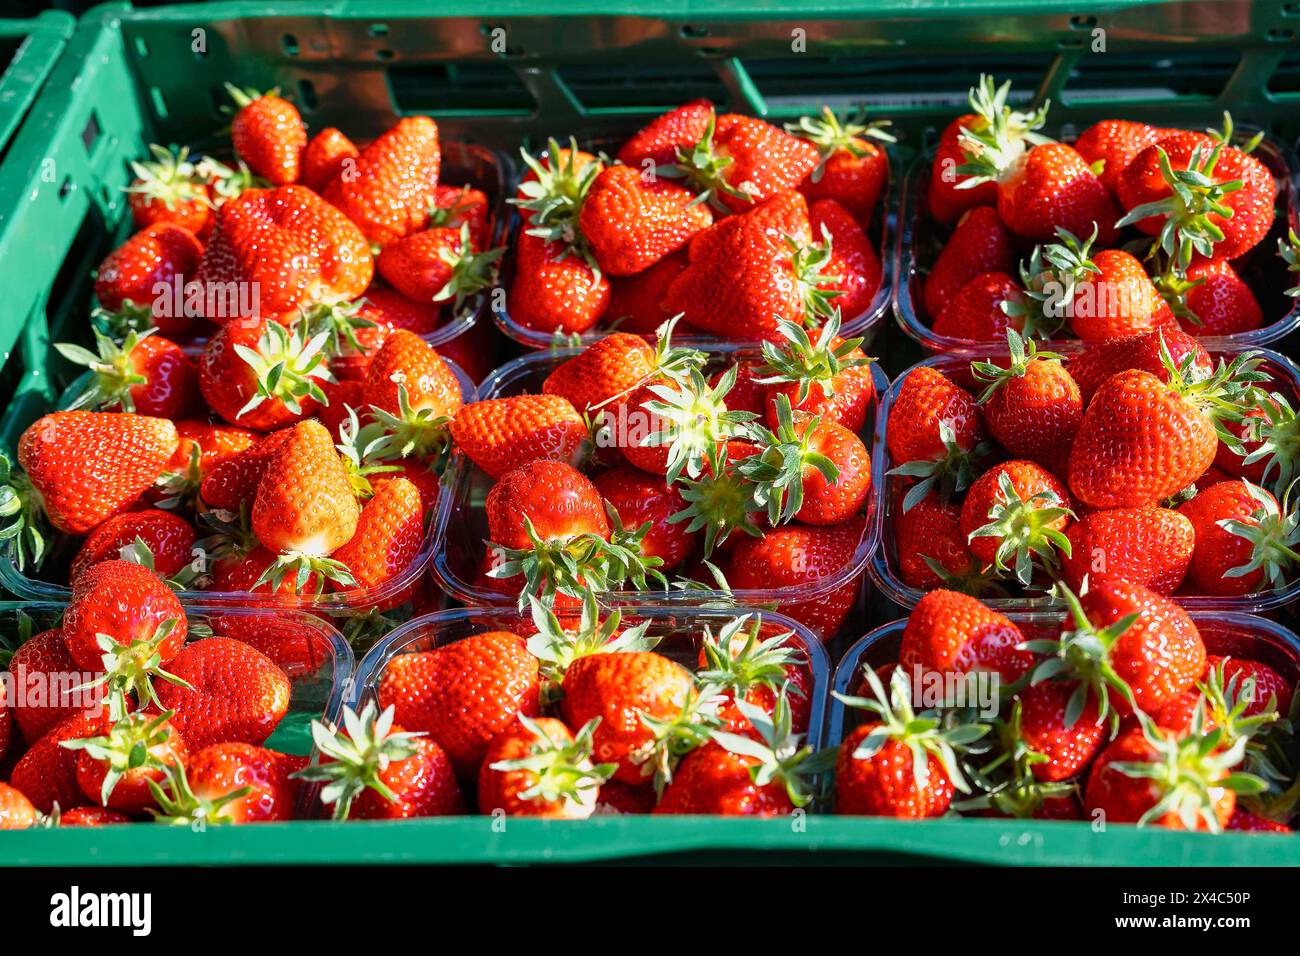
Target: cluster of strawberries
{"x": 1121, "y": 714}
{"x": 724, "y": 220}
{"x": 301, "y": 446}
{"x": 579, "y": 715}
{"x": 755, "y": 462}
{"x": 169, "y": 720}
{"x": 1139, "y": 459}
{"x": 1132, "y": 228}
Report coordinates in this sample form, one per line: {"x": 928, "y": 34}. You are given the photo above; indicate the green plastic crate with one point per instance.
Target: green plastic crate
{"x": 501, "y": 73}
{"x": 28, "y": 51}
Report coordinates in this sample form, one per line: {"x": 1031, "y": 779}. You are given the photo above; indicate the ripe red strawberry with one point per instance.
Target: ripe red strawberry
{"x": 38, "y": 663}
{"x": 1050, "y": 187}
{"x": 146, "y": 374}
{"x": 557, "y": 501}
{"x": 1230, "y": 193}
{"x": 947, "y": 197}
{"x": 1059, "y": 720}
{"x": 438, "y": 264}
{"x": 126, "y": 282}
{"x": 602, "y": 371}
{"x": 87, "y": 467}
{"x": 1143, "y": 438}
{"x": 978, "y": 311}
{"x": 1141, "y": 350}
{"x": 206, "y": 788}
{"x": 809, "y": 470}
{"x": 660, "y": 139}
{"x": 740, "y": 161}
{"x": 763, "y": 773}
{"x": 1114, "y": 297}
{"x": 638, "y": 497}
{"x": 1148, "y": 546}
{"x": 979, "y": 244}
{"x": 555, "y": 289}
{"x": 238, "y": 570}
{"x": 47, "y": 773}
{"x": 636, "y": 302}
{"x": 90, "y": 817}
{"x": 934, "y": 430}
{"x": 536, "y": 768}
{"x": 123, "y": 620}
{"x": 325, "y": 157}
{"x": 1113, "y": 144}
{"x": 618, "y": 688}
{"x": 853, "y": 260}
{"x": 503, "y": 433}
{"x": 852, "y": 169}
{"x": 1211, "y": 299}
{"x": 1269, "y": 684}
{"x": 1244, "y": 543}
{"x": 390, "y": 194}
{"x": 16, "y": 811}
{"x": 1245, "y": 821}
{"x": 389, "y": 534}
{"x": 630, "y": 221}
{"x": 297, "y": 647}
{"x": 1131, "y": 645}
{"x": 464, "y": 693}
{"x": 287, "y": 249}
{"x": 268, "y": 134}
{"x": 748, "y": 272}
{"x": 457, "y": 206}
{"x": 425, "y": 479}
{"x": 236, "y": 694}
{"x": 217, "y": 442}
{"x": 875, "y": 771}
{"x": 169, "y": 190}
{"x": 754, "y": 663}
{"x": 550, "y": 194}
{"x": 407, "y": 362}
{"x": 796, "y": 555}
{"x": 262, "y": 376}
{"x": 115, "y": 769}
{"x": 374, "y": 770}
{"x": 1155, "y": 777}
{"x": 930, "y": 531}
{"x": 1032, "y": 406}
{"x": 233, "y": 482}
{"x": 953, "y": 633}
{"x": 169, "y": 538}
{"x": 1015, "y": 516}
{"x": 305, "y": 508}
{"x": 830, "y": 377}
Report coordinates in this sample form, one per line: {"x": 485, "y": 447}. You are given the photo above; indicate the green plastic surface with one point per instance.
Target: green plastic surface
{"x": 502, "y": 73}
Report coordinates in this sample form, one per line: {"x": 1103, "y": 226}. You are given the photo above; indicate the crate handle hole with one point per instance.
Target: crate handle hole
{"x": 378, "y": 30}
{"x": 693, "y": 32}
{"x": 66, "y": 188}
{"x": 90, "y": 133}
{"x": 383, "y": 53}
{"x": 1280, "y": 34}
{"x": 289, "y": 43}
{"x": 307, "y": 95}
{"x": 1291, "y": 10}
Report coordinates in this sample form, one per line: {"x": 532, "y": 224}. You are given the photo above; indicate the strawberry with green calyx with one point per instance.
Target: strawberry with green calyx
{"x": 263, "y": 375}
{"x": 817, "y": 287}
{"x": 851, "y": 168}
{"x": 144, "y": 373}
{"x": 1027, "y": 527}
{"x": 1048, "y": 281}
{"x": 674, "y": 735}
{"x": 551, "y": 197}
{"x": 951, "y": 474}
{"x": 695, "y": 425}
{"x": 268, "y": 133}
{"x": 116, "y": 769}
{"x": 764, "y": 772}
{"x": 1195, "y": 201}
{"x": 471, "y": 273}
{"x": 557, "y": 646}
{"x": 168, "y": 188}
{"x": 133, "y": 667}
{"x": 1230, "y": 702}
{"x": 189, "y": 576}
{"x": 1270, "y": 438}
{"x": 830, "y": 376}
{"x": 756, "y": 670}
{"x": 720, "y": 504}
{"x": 410, "y": 433}
{"x": 179, "y": 806}
{"x": 373, "y": 769}
{"x": 179, "y": 489}
{"x": 1273, "y": 533}
{"x": 1151, "y": 776}
{"x": 361, "y": 456}
{"x": 777, "y": 472}
{"x": 1009, "y": 783}
{"x": 704, "y": 169}
{"x": 539, "y": 769}
{"x": 340, "y": 321}
{"x": 900, "y": 763}
{"x": 1288, "y": 248}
